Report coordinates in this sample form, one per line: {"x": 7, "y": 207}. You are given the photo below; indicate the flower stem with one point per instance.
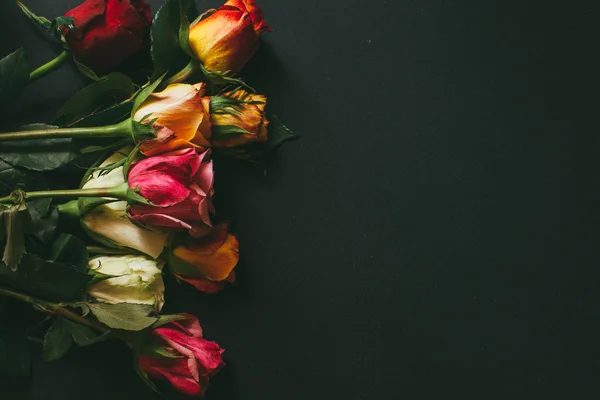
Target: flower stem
{"x": 53, "y": 308}
{"x": 192, "y": 67}
{"x": 122, "y": 129}
{"x": 50, "y": 66}
{"x": 106, "y": 250}
{"x": 117, "y": 192}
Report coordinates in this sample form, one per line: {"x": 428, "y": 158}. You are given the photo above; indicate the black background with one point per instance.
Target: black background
{"x": 433, "y": 233}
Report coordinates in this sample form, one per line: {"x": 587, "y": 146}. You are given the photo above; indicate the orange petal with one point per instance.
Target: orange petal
{"x": 207, "y": 286}
{"x": 214, "y": 256}
{"x": 178, "y": 107}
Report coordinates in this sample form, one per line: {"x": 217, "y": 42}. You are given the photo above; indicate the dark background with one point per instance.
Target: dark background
{"x": 435, "y": 230}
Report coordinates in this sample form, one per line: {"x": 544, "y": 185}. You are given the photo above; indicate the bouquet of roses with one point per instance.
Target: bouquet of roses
{"x": 89, "y": 250}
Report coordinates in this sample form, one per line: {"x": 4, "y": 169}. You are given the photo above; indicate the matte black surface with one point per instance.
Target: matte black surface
{"x": 435, "y": 231}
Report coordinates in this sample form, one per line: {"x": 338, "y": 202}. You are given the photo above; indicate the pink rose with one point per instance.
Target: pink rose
{"x": 199, "y": 358}
{"x": 179, "y": 184}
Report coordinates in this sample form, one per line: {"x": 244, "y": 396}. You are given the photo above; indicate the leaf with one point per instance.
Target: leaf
{"x": 14, "y": 350}
{"x": 70, "y": 250}
{"x": 82, "y": 335}
{"x": 109, "y": 116}
{"x": 131, "y": 317}
{"x": 41, "y": 22}
{"x": 278, "y": 135}
{"x": 43, "y": 219}
{"x": 184, "y": 31}
{"x": 85, "y": 70}
{"x": 15, "y": 220}
{"x": 57, "y": 342}
{"x": 167, "y": 54}
{"x": 39, "y": 154}
{"x": 14, "y": 75}
{"x": 145, "y": 93}
{"x": 165, "y": 319}
{"x": 99, "y": 94}
{"x": 46, "y": 279}
{"x": 12, "y": 178}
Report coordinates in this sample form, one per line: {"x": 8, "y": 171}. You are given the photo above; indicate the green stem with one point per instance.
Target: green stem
{"x": 192, "y": 67}
{"x": 53, "y": 308}
{"x": 122, "y": 129}
{"x": 117, "y": 192}
{"x": 50, "y": 66}
{"x": 106, "y": 250}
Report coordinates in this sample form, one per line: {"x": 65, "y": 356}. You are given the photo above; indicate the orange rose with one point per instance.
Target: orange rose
{"x": 181, "y": 109}
{"x": 206, "y": 263}
{"x": 226, "y": 39}
{"x": 238, "y": 118}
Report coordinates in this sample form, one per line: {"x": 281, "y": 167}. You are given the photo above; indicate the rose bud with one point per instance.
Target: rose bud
{"x": 232, "y": 119}
{"x": 130, "y": 279}
{"x": 109, "y": 223}
{"x": 225, "y": 40}
{"x": 206, "y": 263}
{"x": 179, "y": 185}
{"x": 108, "y": 31}
{"x": 238, "y": 118}
{"x": 194, "y": 359}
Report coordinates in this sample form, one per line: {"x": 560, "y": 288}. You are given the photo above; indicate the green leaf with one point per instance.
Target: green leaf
{"x": 46, "y": 279}
{"x": 15, "y": 220}
{"x": 14, "y": 350}
{"x": 145, "y": 93}
{"x": 14, "y": 76}
{"x": 85, "y": 70}
{"x": 57, "y": 342}
{"x": 41, "y": 22}
{"x": 278, "y": 135}
{"x": 109, "y": 116}
{"x": 131, "y": 317}
{"x": 12, "y": 178}
{"x": 39, "y": 154}
{"x": 97, "y": 95}
{"x": 224, "y": 131}
{"x": 167, "y": 54}
{"x": 70, "y": 250}
{"x": 165, "y": 319}
{"x": 184, "y": 31}
{"x": 220, "y": 78}
{"x": 82, "y": 335}
{"x": 43, "y": 220}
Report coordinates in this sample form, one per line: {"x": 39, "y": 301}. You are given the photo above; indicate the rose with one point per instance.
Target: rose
{"x": 232, "y": 119}
{"x": 197, "y": 358}
{"x": 179, "y": 184}
{"x": 206, "y": 263}
{"x": 238, "y": 118}
{"x": 180, "y": 108}
{"x": 109, "y": 223}
{"x": 228, "y": 37}
{"x": 131, "y": 279}
{"x": 108, "y": 31}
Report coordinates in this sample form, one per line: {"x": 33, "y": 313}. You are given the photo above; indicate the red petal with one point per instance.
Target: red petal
{"x": 175, "y": 370}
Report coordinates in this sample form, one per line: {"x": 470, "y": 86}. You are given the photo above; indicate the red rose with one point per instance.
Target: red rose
{"x": 199, "y": 358}
{"x": 179, "y": 184}
{"x": 108, "y": 31}
{"x": 227, "y": 38}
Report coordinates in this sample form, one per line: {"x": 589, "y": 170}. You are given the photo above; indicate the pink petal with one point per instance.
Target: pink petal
{"x": 160, "y": 220}
{"x": 161, "y": 189}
